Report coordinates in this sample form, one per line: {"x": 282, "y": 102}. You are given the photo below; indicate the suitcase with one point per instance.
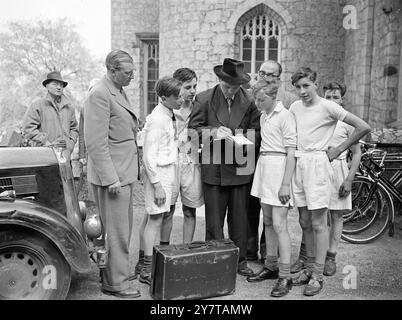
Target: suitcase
{"x": 194, "y": 271}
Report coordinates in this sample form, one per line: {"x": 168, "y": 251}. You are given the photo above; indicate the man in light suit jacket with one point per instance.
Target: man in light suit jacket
{"x": 110, "y": 127}
{"x": 219, "y": 113}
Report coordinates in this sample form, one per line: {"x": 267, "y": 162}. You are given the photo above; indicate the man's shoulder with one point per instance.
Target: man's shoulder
{"x": 39, "y": 101}
{"x": 205, "y": 95}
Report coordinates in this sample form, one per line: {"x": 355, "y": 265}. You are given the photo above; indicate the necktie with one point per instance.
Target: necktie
{"x": 174, "y": 126}
{"x": 229, "y": 100}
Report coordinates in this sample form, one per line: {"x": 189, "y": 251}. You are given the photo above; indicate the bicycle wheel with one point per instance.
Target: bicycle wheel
{"x": 372, "y": 211}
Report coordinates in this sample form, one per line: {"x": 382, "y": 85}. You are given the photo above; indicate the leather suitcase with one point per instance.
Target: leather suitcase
{"x": 194, "y": 271}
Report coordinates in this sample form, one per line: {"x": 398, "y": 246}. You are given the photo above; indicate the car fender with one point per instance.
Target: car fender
{"x": 52, "y": 225}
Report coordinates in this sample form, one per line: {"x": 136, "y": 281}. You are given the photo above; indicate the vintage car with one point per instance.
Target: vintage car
{"x": 45, "y": 232}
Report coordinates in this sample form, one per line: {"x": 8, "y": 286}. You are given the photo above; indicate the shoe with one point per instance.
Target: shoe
{"x": 146, "y": 278}
{"x": 303, "y": 278}
{"x": 282, "y": 287}
{"x": 264, "y": 274}
{"x": 298, "y": 266}
{"x": 125, "y": 294}
{"x": 329, "y": 267}
{"x": 244, "y": 270}
{"x": 314, "y": 287}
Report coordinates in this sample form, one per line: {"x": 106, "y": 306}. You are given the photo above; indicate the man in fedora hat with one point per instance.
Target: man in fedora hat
{"x": 219, "y": 113}
{"x": 51, "y": 120}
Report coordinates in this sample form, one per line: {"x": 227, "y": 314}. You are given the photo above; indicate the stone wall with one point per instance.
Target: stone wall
{"x": 369, "y": 49}
{"x": 201, "y": 33}
{"x": 130, "y": 17}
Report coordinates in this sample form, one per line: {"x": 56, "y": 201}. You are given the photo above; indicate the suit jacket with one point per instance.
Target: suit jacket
{"x": 110, "y": 127}
{"x": 210, "y": 111}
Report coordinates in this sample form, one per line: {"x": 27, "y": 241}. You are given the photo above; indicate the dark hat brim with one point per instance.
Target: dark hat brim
{"x": 45, "y": 83}
{"x": 244, "y": 78}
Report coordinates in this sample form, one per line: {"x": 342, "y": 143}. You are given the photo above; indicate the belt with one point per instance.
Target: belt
{"x": 299, "y": 154}
{"x": 273, "y": 153}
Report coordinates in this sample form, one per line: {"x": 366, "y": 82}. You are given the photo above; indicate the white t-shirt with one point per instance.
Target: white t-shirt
{"x": 278, "y": 130}
{"x": 316, "y": 123}
{"x": 342, "y": 132}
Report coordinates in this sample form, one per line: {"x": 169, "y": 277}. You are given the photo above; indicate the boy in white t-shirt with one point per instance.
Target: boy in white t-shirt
{"x": 316, "y": 119}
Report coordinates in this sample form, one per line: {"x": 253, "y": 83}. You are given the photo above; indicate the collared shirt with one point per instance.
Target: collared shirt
{"x": 278, "y": 130}
{"x": 316, "y": 123}
{"x": 45, "y": 122}
{"x": 160, "y": 141}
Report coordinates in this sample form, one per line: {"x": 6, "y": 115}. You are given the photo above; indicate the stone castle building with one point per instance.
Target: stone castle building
{"x": 354, "y": 41}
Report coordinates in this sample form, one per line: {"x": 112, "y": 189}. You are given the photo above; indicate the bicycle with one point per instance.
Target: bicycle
{"x": 373, "y": 195}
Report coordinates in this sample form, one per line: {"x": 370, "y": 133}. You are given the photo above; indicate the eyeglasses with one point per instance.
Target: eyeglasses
{"x": 264, "y": 74}
{"x": 128, "y": 74}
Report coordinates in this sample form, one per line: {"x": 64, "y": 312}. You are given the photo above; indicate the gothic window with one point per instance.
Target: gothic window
{"x": 151, "y": 73}
{"x": 260, "y": 41}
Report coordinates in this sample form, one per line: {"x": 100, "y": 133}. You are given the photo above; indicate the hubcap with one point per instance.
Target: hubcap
{"x": 21, "y": 274}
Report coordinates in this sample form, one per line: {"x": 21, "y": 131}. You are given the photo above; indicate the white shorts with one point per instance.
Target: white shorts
{"x": 341, "y": 171}
{"x": 168, "y": 177}
{"x": 268, "y": 178}
{"x": 190, "y": 183}
{"x": 312, "y": 181}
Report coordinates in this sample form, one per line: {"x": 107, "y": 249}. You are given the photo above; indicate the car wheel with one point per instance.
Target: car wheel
{"x": 31, "y": 267}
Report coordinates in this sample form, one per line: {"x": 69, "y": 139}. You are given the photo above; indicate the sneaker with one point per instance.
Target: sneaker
{"x": 329, "y": 267}
{"x": 298, "y": 266}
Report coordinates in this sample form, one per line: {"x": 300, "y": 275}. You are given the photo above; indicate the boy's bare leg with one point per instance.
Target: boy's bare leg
{"x": 335, "y": 232}
{"x": 167, "y": 225}
{"x": 152, "y": 229}
{"x": 189, "y": 223}
{"x": 280, "y": 225}
{"x": 140, "y": 262}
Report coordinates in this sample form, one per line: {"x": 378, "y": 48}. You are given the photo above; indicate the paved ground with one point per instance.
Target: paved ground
{"x": 378, "y": 267}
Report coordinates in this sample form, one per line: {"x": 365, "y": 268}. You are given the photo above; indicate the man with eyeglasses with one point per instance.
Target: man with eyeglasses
{"x": 110, "y": 129}
{"x": 271, "y": 72}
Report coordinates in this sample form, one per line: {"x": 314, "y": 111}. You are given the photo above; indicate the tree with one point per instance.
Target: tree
{"x": 30, "y": 50}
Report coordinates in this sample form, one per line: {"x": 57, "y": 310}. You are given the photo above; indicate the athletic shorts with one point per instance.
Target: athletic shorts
{"x": 268, "y": 178}
{"x": 168, "y": 177}
{"x": 341, "y": 171}
{"x": 312, "y": 181}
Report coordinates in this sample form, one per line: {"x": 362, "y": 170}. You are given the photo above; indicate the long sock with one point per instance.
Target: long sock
{"x": 147, "y": 264}
{"x": 331, "y": 255}
{"x": 318, "y": 270}
{"x": 284, "y": 270}
{"x": 303, "y": 252}
{"x": 141, "y": 256}
{"x": 271, "y": 263}
{"x": 310, "y": 261}
{"x": 140, "y": 262}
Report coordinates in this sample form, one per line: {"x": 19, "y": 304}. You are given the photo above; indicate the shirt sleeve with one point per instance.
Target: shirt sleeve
{"x": 335, "y": 111}
{"x": 152, "y": 135}
{"x": 289, "y": 131}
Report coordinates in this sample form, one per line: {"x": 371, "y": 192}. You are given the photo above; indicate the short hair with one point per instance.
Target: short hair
{"x": 116, "y": 58}
{"x": 184, "y": 74}
{"x": 304, "y": 72}
{"x": 168, "y": 86}
{"x": 270, "y": 89}
{"x": 335, "y": 86}
{"x": 274, "y": 61}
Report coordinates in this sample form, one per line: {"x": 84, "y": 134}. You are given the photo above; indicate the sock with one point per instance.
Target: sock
{"x": 284, "y": 270}
{"x": 271, "y": 263}
{"x": 303, "y": 252}
{"x": 310, "y": 261}
{"x": 147, "y": 264}
{"x": 331, "y": 256}
{"x": 141, "y": 256}
{"x": 164, "y": 243}
{"x": 318, "y": 270}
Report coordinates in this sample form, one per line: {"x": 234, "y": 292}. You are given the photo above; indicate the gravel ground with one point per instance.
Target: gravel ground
{"x": 378, "y": 267}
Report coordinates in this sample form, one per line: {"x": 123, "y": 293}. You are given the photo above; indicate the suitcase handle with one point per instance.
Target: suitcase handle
{"x": 197, "y": 244}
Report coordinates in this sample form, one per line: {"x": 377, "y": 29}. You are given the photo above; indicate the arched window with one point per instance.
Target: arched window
{"x": 152, "y": 74}
{"x": 260, "y": 41}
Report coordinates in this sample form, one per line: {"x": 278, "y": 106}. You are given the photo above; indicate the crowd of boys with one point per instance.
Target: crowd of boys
{"x": 295, "y": 157}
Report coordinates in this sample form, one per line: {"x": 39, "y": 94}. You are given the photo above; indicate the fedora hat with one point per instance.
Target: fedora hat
{"x": 232, "y": 72}
{"x": 54, "y": 76}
